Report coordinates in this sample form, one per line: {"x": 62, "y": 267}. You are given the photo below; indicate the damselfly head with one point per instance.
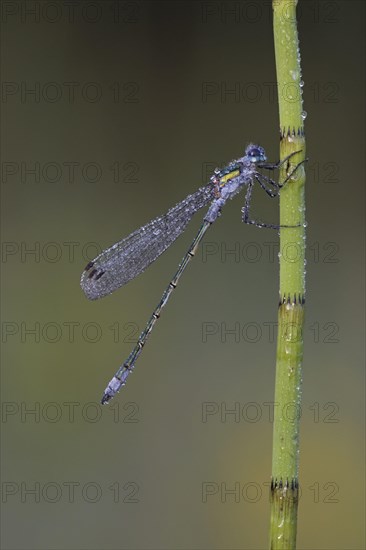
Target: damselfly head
{"x": 255, "y": 153}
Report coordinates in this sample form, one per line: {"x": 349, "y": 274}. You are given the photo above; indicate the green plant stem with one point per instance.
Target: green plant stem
{"x": 284, "y": 485}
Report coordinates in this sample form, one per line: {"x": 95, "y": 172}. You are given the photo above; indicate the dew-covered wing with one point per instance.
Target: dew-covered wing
{"x": 126, "y": 259}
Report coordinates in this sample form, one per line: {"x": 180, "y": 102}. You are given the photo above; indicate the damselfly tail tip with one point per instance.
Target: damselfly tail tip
{"x": 107, "y": 395}
{"x": 106, "y": 398}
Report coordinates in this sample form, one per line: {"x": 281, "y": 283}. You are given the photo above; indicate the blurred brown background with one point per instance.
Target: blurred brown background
{"x": 111, "y": 113}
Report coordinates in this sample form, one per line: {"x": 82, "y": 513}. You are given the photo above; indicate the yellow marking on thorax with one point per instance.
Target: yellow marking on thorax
{"x": 228, "y": 177}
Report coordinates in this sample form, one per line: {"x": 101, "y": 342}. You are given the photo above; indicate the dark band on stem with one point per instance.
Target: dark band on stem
{"x": 286, "y": 133}
{"x": 296, "y": 299}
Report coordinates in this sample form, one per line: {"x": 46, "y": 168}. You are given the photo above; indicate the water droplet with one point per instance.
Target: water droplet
{"x": 304, "y": 115}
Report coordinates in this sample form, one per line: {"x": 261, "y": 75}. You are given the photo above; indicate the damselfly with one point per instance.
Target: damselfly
{"x": 126, "y": 259}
